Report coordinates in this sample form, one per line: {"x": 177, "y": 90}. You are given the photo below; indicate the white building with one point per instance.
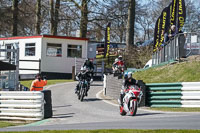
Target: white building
{"x": 53, "y": 56}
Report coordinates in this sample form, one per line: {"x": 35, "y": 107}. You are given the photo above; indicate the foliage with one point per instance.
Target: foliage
{"x": 180, "y": 72}
{"x": 137, "y": 57}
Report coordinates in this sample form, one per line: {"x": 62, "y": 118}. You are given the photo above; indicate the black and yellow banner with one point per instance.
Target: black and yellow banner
{"x": 156, "y": 35}
{"x": 107, "y": 41}
{"x": 181, "y": 14}
{"x": 173, "y": 12}
{"x": 164, "y": 23}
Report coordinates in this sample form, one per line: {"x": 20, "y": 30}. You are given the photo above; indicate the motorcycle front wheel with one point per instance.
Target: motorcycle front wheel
{"x": 122, "y": 112}
{"x": 82, "y": 92}
{"x": 133, "y": 109}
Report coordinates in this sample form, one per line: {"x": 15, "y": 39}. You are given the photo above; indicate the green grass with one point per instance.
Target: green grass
{"x": 8, "y": 124}
{"x": 177, "y": 109}
{"x": 27, "y": 83}
{"x": 115, "y": 131}
{"x": 180, "y": 72}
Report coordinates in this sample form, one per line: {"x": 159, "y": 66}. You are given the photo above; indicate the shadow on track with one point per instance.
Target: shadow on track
{"x": 62, "y": 106}
{"x": 144, "y": 114}
{"x": 63, "y": 115}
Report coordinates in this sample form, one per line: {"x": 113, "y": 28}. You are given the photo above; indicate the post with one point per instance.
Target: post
{"x": 73, "y": 73}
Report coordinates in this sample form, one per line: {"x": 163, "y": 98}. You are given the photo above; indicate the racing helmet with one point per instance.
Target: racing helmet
{"x": 120, "y": 57}
{"x": 83, "y": 68}
{"x": 129, "y": 74}
{"x": 116, "y": 60}
{"x": 125, "y": 75}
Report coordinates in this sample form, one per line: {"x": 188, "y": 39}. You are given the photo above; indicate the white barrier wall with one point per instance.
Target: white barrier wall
{"x": 190, "y": 94}
{"x": 21, "y": 105}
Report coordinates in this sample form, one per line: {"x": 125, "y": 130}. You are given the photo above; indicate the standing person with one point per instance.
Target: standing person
{"x": 38, "y": 83}
{"x": 174, "y": 31}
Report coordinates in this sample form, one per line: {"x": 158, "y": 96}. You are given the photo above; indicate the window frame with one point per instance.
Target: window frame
{"x": 81, "y": 49}
{"x": 30, "y": 47}
{"x": 57, "y": 55}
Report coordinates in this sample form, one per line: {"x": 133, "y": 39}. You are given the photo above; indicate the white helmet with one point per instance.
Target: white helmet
{"x": 129, "y": 74}
{"x": 116, "y": 60}
{"x": 83, "y": 68}
{"x": 120, "y": 57}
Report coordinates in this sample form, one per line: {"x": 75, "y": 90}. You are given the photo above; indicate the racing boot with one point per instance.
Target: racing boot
{"x": 121, "y": 99}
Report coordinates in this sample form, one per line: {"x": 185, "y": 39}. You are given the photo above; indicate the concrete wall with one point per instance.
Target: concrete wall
{"x": 113, "y": 87}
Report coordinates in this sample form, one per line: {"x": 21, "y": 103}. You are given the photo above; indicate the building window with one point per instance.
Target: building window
{"x": 74, "y": 51}
{"x": 8, "y": 54}
{"x": 54, "y": 50}
{"x": 30, "y": 49}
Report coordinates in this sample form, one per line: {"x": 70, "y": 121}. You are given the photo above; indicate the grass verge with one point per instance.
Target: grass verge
{"x": 180, "y": 72}
{"x": 116, "y": 131}
{"x": 177, "y": 109}
{"x": 27, "y": 83}
{"x": 8, "y": 124}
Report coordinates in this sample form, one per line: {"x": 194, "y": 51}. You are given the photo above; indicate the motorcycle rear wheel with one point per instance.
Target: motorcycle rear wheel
{"x": 122, "y": 112}
{"x": 133, "y": 109}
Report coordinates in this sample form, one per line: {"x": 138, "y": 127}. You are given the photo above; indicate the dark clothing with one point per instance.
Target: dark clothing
{"x": 89, "y": 64}
{"x": 130, "y": 81}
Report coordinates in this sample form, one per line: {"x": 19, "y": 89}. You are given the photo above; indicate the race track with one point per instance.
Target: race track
{"x": 95, "y": 113}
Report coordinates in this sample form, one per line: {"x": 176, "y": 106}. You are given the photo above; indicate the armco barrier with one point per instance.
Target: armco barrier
{"x": 186, "y": 94}
{"x": 21, "y": 105}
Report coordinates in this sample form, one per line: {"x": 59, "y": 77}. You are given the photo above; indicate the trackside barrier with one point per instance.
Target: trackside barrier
{"x": 185, "y": 94}
{"x": 21, "y": 105}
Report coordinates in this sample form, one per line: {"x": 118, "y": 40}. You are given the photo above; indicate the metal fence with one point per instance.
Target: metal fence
{"x": 98, "y": 66}
{"x": 181, "y": 46}
{"x": 9, "y": 79}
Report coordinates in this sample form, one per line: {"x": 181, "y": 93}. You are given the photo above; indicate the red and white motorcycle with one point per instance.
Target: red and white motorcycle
{"x": 131, "y": 100}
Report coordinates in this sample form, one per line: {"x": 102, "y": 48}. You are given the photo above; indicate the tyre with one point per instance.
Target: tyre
{"x": 133, "y": 109}
{"x": 82, "y": 92}
{"x": 122, "y": 112}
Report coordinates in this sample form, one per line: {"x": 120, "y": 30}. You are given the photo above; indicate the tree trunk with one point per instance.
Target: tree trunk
{"x": 130, "y": 24}
{"x": 52, "y": 16}
{"x": 56, "y": 20}
{"x": 84, "y": 18}
{"x": 38, "y": 17}
{"x": 14, "y": 17}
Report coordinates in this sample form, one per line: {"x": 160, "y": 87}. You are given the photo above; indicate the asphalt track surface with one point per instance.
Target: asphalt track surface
{"x": 96, "y": 113}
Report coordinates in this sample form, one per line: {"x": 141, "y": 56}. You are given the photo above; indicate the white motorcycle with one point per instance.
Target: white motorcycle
{"x": 131, "y": 100}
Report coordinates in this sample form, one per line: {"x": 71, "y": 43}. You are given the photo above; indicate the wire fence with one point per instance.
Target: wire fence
{"x": 181, "y": 46}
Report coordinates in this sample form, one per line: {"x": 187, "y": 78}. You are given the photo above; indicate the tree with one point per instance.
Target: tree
{"x": 14, "y": 17}
{"x": 54, "y": 16}
{"x": 38, "y": 17}
{"x": 84, "y": 16}
{"x": 130, "y": 24}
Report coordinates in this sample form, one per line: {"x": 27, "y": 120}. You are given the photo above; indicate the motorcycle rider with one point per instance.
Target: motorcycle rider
{"x": 118, "y": 63}
{"x": 128, "y": 81}
{"x": 89, "y": 65}
{"x": 80, "y": 77}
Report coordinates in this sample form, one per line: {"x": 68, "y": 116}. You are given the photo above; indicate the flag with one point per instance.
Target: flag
{"x": 173, "y": 12}
{"x": 164, "y": 23}
{"x": 156, "y": 35}
{"x": 107, "y": 41}
{"x": 181, "y": 14}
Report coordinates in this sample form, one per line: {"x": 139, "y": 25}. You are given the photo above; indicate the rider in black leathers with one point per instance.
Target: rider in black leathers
{"x": 128, "y": 81}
